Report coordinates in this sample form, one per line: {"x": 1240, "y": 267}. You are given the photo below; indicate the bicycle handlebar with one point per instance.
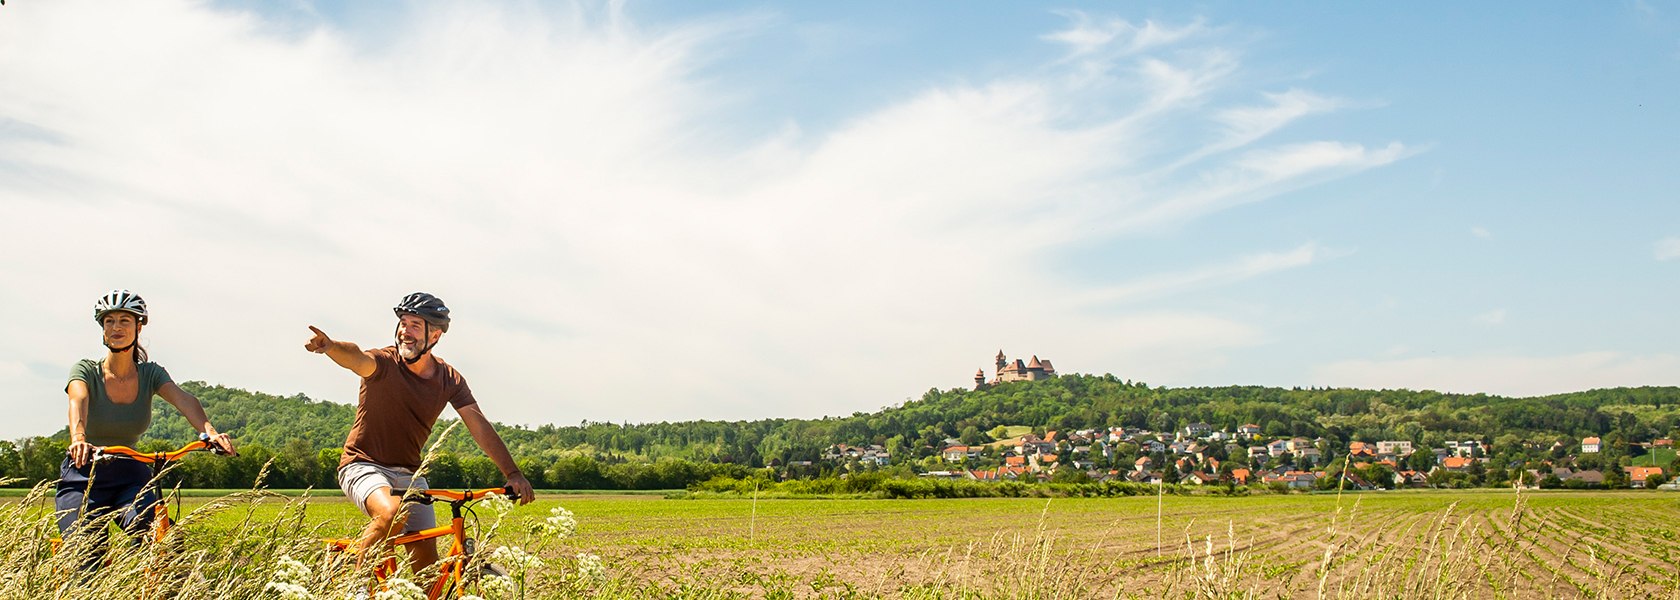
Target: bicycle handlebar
{"x": 428, "y": 496}
{"x": 203, "y": 443}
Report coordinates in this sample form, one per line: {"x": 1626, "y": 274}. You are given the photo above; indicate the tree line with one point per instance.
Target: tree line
{"x": 302, "y": 435}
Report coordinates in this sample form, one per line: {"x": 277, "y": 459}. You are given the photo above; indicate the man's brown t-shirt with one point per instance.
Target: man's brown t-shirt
{"x": 395, "y": 411}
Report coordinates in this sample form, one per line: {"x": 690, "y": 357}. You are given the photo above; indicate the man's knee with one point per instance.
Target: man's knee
{"x": 387, "y": 517}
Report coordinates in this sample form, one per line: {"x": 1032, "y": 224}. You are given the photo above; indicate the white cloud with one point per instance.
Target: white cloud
{"x": 1492, "y": 317}
{"x": 611, "y": 254}
{"x": 1505, "y": 375}
{"x": 1246, "y": 267}
{"x": 1667, "y": 248}
{"x": 1481, "y": 232}
{"x": 1112, "y": 37}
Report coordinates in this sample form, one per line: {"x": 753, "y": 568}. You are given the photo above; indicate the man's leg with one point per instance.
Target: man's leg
{"x": 424, "y": 553}
{"x": 386, "y": 517}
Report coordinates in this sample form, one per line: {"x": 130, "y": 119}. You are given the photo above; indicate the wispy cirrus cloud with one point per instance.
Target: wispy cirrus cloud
{"x": 1666, "y": 248}
{"x": 1246, "y": 267}
{"x": 561, "y": 179}
{"x": 1491, "y": 318}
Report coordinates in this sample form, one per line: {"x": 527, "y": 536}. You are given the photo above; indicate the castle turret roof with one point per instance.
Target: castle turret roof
{"x": 1035, "y": 364}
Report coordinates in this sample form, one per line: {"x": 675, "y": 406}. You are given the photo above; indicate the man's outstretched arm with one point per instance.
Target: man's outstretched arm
{"x": 491, "y": 443}
{"x": 346, "y": 354}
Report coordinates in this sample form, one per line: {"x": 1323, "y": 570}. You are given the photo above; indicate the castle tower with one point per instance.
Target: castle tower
{"x": 979, "y": 378}
{"x": 1002, "y": 361}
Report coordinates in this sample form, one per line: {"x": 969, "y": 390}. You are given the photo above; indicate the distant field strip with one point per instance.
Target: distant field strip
{"x": 1477, "y": 544}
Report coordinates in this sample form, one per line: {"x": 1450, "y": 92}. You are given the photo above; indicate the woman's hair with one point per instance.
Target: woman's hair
{"x": 140, "y": 352}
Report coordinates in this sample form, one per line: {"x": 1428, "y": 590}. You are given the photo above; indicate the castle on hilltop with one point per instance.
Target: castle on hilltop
{"x": 1007, "y": 371}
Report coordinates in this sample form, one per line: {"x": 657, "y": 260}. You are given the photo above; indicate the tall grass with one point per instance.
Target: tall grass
{"x": 272, "y": 550}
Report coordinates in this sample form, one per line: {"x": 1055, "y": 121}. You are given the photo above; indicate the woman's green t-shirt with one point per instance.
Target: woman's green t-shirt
{"x": 112, "y": 424}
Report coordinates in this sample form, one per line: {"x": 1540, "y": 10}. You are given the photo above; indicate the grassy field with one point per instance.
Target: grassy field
{"x": 1475, "y": 544}
{"x": 1660, "y": 457}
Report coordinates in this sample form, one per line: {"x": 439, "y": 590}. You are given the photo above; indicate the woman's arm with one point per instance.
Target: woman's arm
{"x": 190, "y": 408}
{"x": 80, "y": 451}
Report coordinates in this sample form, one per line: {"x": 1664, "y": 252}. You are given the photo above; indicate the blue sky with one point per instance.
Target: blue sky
{"x": 661, "y": 211}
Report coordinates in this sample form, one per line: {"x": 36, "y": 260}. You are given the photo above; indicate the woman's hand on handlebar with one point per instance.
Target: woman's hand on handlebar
{"x": 220, "y": 443}
{"x": 81, "y": 453}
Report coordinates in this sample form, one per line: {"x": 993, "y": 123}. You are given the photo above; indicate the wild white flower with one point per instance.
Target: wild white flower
{"x": 291, "y": 571}
{"x": 559, "y": 525}
{"x": 590, "y": 567}
{"x": 496, "y": 586}
{"x": 400, "y": 589}
{"x": 497, "y": 503}
{"x": 288, "y": 591}
{"x": 514, "y": 557}
{"x": 472, "y": 597}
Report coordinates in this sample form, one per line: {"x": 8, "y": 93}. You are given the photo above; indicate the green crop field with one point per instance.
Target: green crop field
{"x": 1386, "y": 545}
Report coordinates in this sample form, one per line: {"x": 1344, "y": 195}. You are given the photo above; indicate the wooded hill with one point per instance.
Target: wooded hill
{"x": 303, "y": 435}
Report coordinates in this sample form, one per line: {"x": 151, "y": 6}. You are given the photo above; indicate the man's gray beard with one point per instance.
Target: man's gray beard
{"x": 407, "y": 351}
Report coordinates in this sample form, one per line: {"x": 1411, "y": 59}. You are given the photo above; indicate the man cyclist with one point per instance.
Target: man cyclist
{"x": 404, "y": 389}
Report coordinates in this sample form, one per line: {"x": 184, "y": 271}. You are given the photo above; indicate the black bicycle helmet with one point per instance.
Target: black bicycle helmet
{"x": 132, "y": 303}
{"x": 425, "y": 306}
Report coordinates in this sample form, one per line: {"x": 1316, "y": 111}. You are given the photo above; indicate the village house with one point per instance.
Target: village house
{"x": 1637, "y": 476}
{"x": 1467, "y": 449}
{"x": 1410, "y": 479}
{"x": 1589, "y": 445}
{"x": 1278, "y": 448}
{"x": 962, "y": 453}
{"x": 1301, "y": 480}
{"x": 1361, "y": 449}
{"x": 1456, "y": 463}
{"x": 1198, "y": 430}
{"x": 873, "y": 454}
{"x": 1395, "y": 447}
{"x": 1250, "y": 430}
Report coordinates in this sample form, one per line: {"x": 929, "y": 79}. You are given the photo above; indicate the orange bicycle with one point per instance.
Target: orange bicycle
{"x": 161, "y": 520}
{"x": 452, "y": 567}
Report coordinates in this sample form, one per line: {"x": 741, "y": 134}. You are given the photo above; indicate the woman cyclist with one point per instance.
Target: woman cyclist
{"x": 111, "y": 404}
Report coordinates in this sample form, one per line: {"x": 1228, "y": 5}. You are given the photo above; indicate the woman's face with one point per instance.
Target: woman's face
{"x": 120, "y": 328}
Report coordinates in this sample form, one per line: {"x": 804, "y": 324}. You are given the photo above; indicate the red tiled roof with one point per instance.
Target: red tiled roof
{"x": 1015, "y": 460}
{"x": 1591, "y": 440}
{"x": 1641, "y": 473}
{"x": 1455, "y": 462}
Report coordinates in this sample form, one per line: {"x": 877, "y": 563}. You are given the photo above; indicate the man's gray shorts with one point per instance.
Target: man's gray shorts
{"x": 362, "y": 479}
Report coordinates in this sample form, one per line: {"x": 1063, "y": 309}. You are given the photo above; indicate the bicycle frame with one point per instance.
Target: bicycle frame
{"x": 452, "y": 566}
{"x": 161, "y": 521}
